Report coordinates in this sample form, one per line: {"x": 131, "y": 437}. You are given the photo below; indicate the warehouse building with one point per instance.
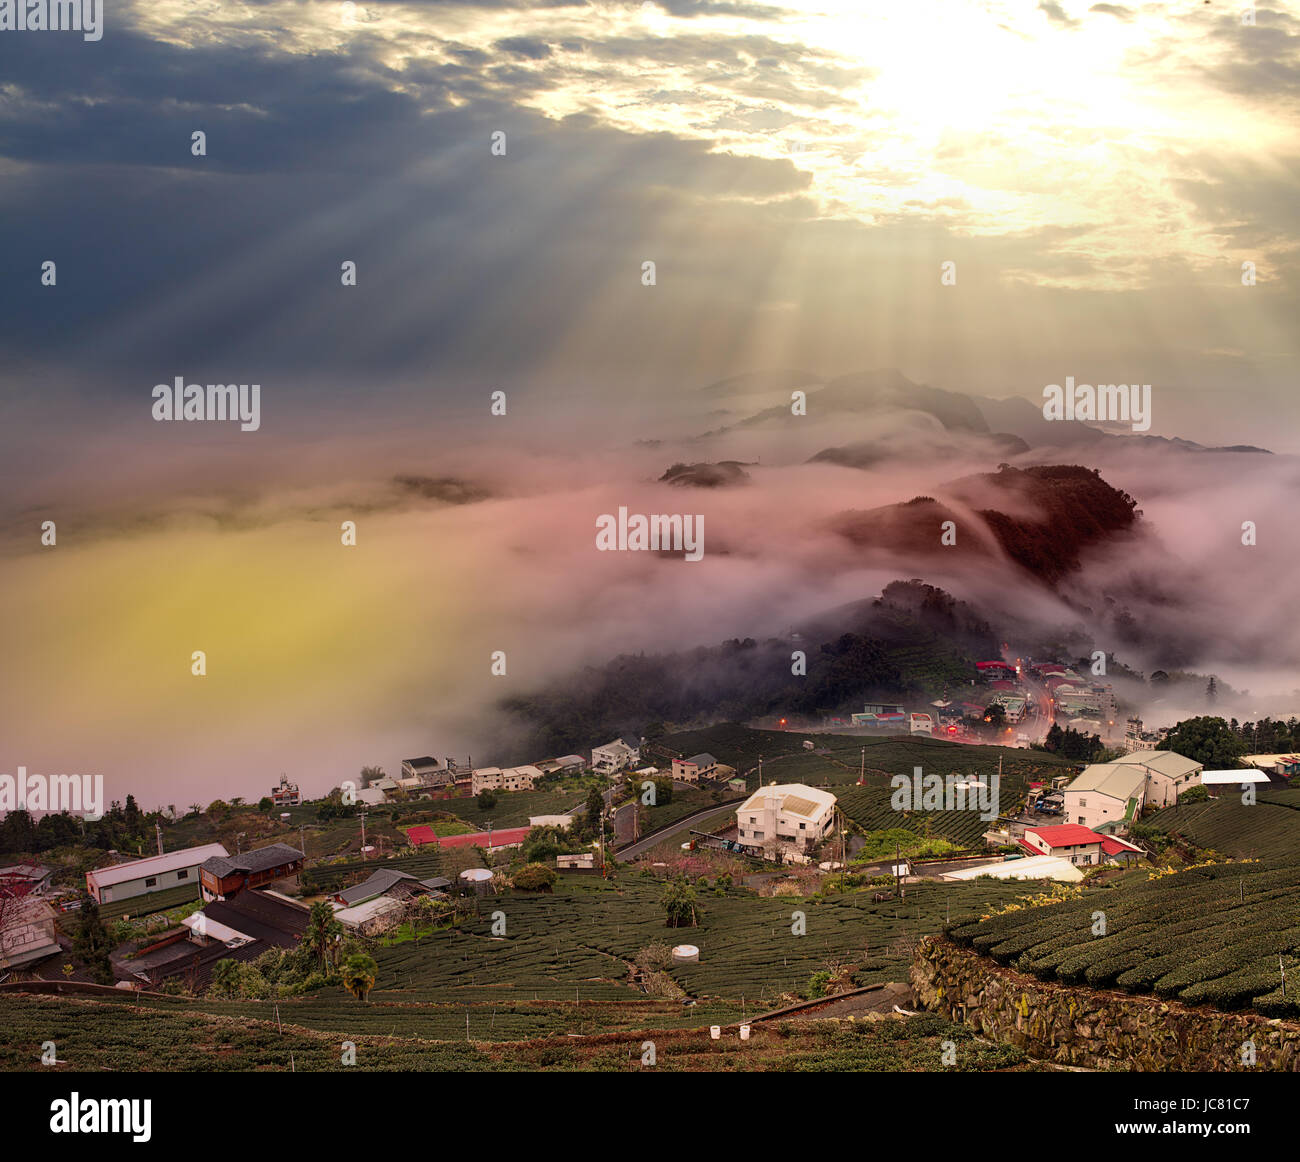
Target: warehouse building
{"x": 122, "y": 881}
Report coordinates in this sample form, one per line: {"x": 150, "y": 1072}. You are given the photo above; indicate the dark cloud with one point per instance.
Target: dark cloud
{"x": 689, "y": 8}
{"x": 1056, "y": 14}
{"x": 524, "y": 46}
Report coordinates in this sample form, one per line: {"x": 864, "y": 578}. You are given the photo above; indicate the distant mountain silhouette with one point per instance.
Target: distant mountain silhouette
{"x": 870, "y": 453}
{"x": 910, "y": 643}
{"x": 874, "y": 393}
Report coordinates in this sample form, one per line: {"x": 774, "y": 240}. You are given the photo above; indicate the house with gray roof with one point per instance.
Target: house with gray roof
{"x": 697, "y": 767}
{"x": 380, "y": 883}
{"x": 1110, "y": 796}
{"x": 222, "y": 876}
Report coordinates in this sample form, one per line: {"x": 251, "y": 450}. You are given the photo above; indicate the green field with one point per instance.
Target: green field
{"x": 1218, "y": 934}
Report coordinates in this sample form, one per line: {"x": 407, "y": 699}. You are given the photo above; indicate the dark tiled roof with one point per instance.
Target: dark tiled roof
{"x": 259, "y": 859}
{"x": 378, "y": 883}
{"x": 260, "y": 916}
{"x": 192, "y": 963}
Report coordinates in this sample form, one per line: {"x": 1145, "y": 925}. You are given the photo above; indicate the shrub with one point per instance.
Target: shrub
{"x": 534, "y": 877}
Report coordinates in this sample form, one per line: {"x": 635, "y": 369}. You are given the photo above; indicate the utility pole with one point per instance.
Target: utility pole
{"x": 363, "y": 835}
{"x": 862, "y": 773}
{"x": 157, "y": 826}
{"x": 843, "y": 854}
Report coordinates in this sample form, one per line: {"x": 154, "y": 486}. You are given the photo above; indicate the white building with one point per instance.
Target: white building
{"x": 790, "y": 816}
{"x": 122, "y": 881}
{"x": 1106, "y": 793}
{"x": 1114, "y": 793}
{"x": 504, "y": 778}
{"x": 614, "y": 756}
{"x": 286, "y": 794}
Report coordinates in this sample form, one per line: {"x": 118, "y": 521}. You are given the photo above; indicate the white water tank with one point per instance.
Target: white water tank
{"x": 686, "y": 954}
{"x": 476, "y": 879}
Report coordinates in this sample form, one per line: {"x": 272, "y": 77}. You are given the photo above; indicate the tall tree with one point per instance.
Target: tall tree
{"x": 595, "y": 807}
{"x": 678, "y": 902}
{"x": 1208, "y": 740}
{"x": 91, "y": 943}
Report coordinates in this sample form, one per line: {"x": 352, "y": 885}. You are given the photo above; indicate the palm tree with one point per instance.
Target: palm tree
{"x": 323, "y": 935}
{"x": 359, "y": 972}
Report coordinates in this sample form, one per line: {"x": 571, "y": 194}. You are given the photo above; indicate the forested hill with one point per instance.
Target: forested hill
{"x": 1071, "y": 509}
{"x": 909, "y": 643}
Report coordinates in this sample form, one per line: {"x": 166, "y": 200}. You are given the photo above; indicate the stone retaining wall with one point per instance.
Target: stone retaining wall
{"x": 1093, "y": 1028}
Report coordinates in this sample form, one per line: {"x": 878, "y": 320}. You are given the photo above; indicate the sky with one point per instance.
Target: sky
{"x": 798, "y": 174}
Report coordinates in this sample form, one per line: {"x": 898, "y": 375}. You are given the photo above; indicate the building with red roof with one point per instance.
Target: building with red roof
{"x": 423, "y": 834}
{"x": 1080, "y": 845}
{"x": 1120, "y": 850}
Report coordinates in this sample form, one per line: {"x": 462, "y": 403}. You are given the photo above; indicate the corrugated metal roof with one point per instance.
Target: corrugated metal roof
{"x": 1034, "y": 867}
{"x": 1118, "y": 780}
{"x": 121, "y": 873}
{"x": 1166, "y": 762}
{"x": 1232, "y": 778}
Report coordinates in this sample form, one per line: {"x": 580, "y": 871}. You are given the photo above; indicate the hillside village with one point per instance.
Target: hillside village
{"x": 381, "y": 889}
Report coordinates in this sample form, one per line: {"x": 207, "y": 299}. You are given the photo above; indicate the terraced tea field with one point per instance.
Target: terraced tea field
{"x": 1219, "y": 935}
{"x": 92, "y": 1036}
{"x": 785, "y": 760}
{"x": 579, "y": 942}
{"x": 1268, "y": 828}
{"x": 564, "y": 966}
